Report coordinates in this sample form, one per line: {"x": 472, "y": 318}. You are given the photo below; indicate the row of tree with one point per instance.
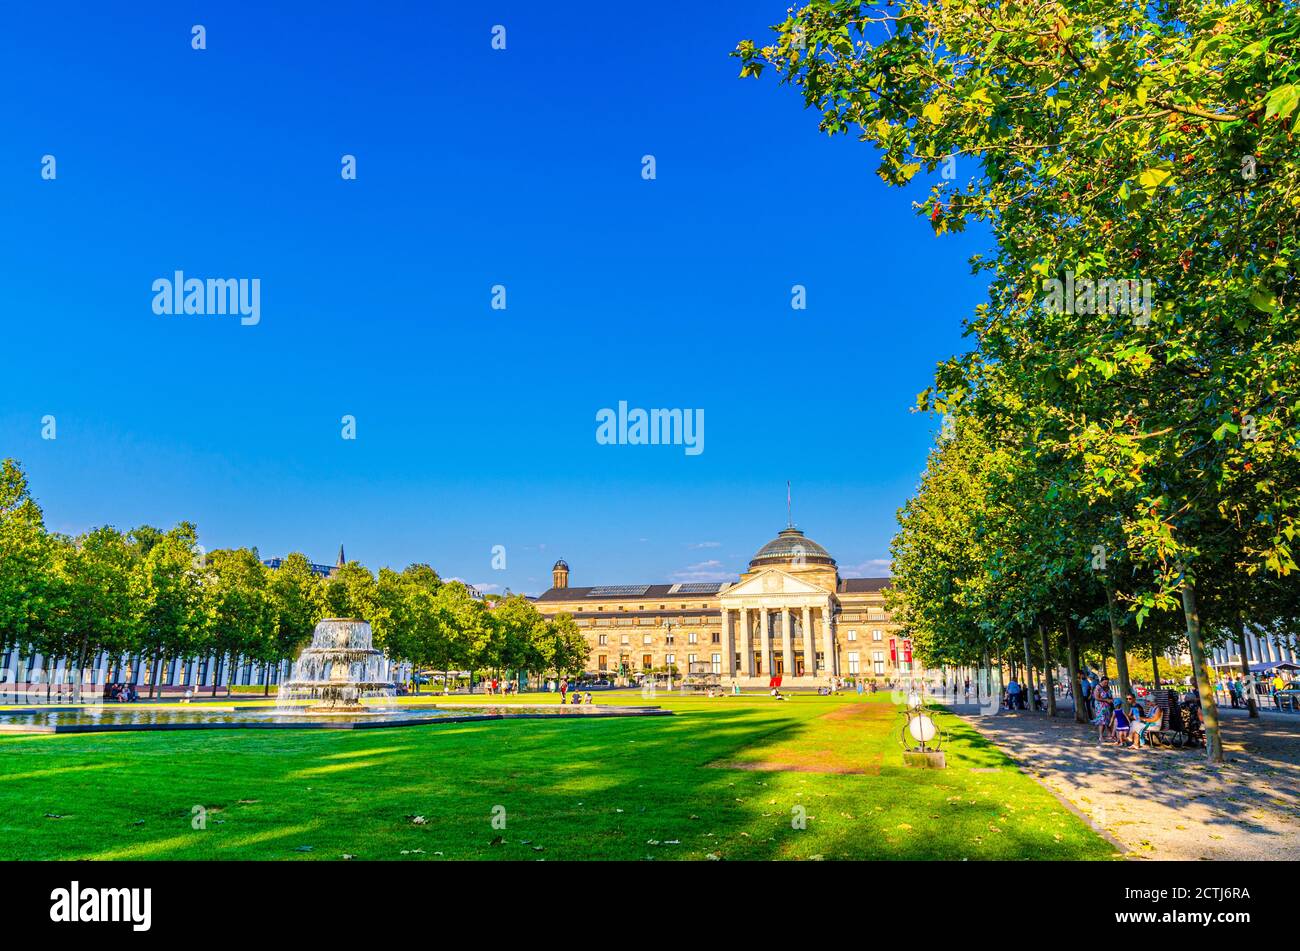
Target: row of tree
{"x": 1120, "y": 457}
{"x": 158, "y": 596}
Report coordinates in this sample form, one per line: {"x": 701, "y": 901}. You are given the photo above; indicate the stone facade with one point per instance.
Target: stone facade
{"x": 790, "y": 614}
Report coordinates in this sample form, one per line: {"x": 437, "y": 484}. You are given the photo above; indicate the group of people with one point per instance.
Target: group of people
{"x": 1018, "y": 697}
{"x": 577, "y": 697}
{"x": 1240, "y": 691}
{"x": 121, "y": 693}
{"x": 954, "y": 687}
{"x": 1124, "y": 724}
{"x": 500, "y": 687}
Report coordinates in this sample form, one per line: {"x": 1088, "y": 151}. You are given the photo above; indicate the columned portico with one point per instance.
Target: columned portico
{"x": 747, "y": 641}
{"x": 798, "y": 610}
{"x": 809, "y": 643}
{"x": 787, "y": 642}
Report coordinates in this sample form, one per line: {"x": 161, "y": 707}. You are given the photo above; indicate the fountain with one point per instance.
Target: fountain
{"x": 335, "y": 673}
{"x": 338, "y": 670}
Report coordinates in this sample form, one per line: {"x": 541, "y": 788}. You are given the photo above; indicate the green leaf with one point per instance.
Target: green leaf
{"x": 1264, "y": 299}
{"x": 1282, "y": 101}
{"x": 1156, "y": 176}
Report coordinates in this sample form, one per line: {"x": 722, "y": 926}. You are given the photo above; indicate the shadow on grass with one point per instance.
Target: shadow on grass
{"x": 574, "y": 789}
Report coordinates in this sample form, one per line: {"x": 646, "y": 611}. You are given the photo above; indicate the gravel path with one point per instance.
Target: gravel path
{"x": 1166, "y": 803}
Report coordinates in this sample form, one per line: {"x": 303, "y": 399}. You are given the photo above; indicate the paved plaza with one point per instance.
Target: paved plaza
{"x": 1166, "y": 803}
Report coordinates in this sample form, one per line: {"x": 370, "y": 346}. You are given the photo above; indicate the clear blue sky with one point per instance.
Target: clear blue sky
{"x": 521, "y": 167}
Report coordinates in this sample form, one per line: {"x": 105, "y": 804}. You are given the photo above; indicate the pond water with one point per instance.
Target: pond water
{"x": 123, "y": 717}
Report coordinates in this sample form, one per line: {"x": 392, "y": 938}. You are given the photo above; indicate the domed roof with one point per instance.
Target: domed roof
{"x": 791, "y": 547}
{"x": 560, "y": 564}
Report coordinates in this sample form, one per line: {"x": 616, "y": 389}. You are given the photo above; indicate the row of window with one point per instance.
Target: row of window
{"x": 877, "y": 661}
{"x": 715, "y": 662}
{"x": 715, "y": 637}
{"x": 641, "y": 607}
{"x": 692, "y": 637}
{"x": 670, "y": 660}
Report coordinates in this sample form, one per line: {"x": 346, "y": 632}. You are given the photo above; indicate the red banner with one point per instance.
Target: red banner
{"x": 893, "y": 651}
{"x": 907, "y": 651}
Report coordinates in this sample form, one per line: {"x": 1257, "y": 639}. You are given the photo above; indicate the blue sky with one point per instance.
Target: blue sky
{"x": 475, "y": 427}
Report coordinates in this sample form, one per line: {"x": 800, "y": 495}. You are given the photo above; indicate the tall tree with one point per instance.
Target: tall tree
{"x": 25, "y": 551}
{"x": 167, "y": 596}
{"x": 297, "y": 597}
{"x": 1140, "y": 153}
{"x": 239, "y": 611}
{"x": 92, "y": 608}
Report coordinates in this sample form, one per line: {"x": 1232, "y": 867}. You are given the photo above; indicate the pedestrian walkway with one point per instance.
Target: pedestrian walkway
{"x": 1167, "y": 803}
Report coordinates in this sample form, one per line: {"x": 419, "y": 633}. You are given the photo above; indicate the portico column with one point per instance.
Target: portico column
{"x": 747, "y": 641}
{"x": 828, "y": 641}
{"x": 787, "y": 642}
{"x": 729, "y": 642}
{"x": 809, "y": 644}
{"x": 765, "y": 641}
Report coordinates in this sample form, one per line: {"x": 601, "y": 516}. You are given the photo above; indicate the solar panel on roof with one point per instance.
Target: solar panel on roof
{"x": 700, "y": 587}
{"x": 617, "y": 590}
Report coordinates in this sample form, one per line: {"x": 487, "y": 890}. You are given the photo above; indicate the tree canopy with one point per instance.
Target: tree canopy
{"x": 1134, "y": 372}
{"x": 156, "y": 595}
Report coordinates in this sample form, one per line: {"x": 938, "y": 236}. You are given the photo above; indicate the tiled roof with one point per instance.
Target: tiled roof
{"x": 651, "y": 592}
{"x": 665, "y": 592}
{"x": 862, "y": 585}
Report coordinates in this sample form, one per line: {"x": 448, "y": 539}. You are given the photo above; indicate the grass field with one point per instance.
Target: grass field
{"x": 724, "y": 778}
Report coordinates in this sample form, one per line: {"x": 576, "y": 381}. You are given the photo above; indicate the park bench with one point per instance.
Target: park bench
{"x": 1179, "y": 725}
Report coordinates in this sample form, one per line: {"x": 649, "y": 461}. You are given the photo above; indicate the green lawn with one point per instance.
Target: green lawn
{"x": 722, "y": 778}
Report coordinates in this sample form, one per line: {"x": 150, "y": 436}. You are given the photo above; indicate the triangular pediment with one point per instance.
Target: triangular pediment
{"x": 771, "y": 581}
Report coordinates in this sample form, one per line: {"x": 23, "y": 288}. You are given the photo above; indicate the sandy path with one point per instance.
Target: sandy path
{"x": 1166, "y": 803}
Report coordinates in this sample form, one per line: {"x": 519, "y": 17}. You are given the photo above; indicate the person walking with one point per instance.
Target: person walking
{"x": 1104, "y": 703}
{"x": 1013, "y": 694}
{"x": 564, "y": 688}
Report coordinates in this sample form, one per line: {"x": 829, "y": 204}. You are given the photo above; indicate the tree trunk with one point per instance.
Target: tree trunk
{"x": 1204, "y": 686}
{"x": 1072, "y": 655}
{"x": 153, "y": 679}
{"x": 217, "y": 663}
{"x": 1029, "y": 673}
{"x": 1117, "y": 644}
{"x": 1155, "y": 667}
{"x": 1047, "y": 671}
{"x": 81, "y": 666}
{"x": 1246, "y": 682}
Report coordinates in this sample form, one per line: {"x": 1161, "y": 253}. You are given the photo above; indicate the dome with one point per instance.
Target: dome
{"x": 791, "y": 548}
{"x": 560, "y": 564}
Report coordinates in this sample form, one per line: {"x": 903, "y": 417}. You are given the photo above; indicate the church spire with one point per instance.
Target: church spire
{"x": 342, "y": 561}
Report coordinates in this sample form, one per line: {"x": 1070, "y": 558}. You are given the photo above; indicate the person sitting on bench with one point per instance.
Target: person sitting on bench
{"x": 1146, "y": 722}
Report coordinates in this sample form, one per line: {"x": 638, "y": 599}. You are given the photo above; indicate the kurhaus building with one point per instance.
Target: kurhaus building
{"x": 790, "y": 614}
